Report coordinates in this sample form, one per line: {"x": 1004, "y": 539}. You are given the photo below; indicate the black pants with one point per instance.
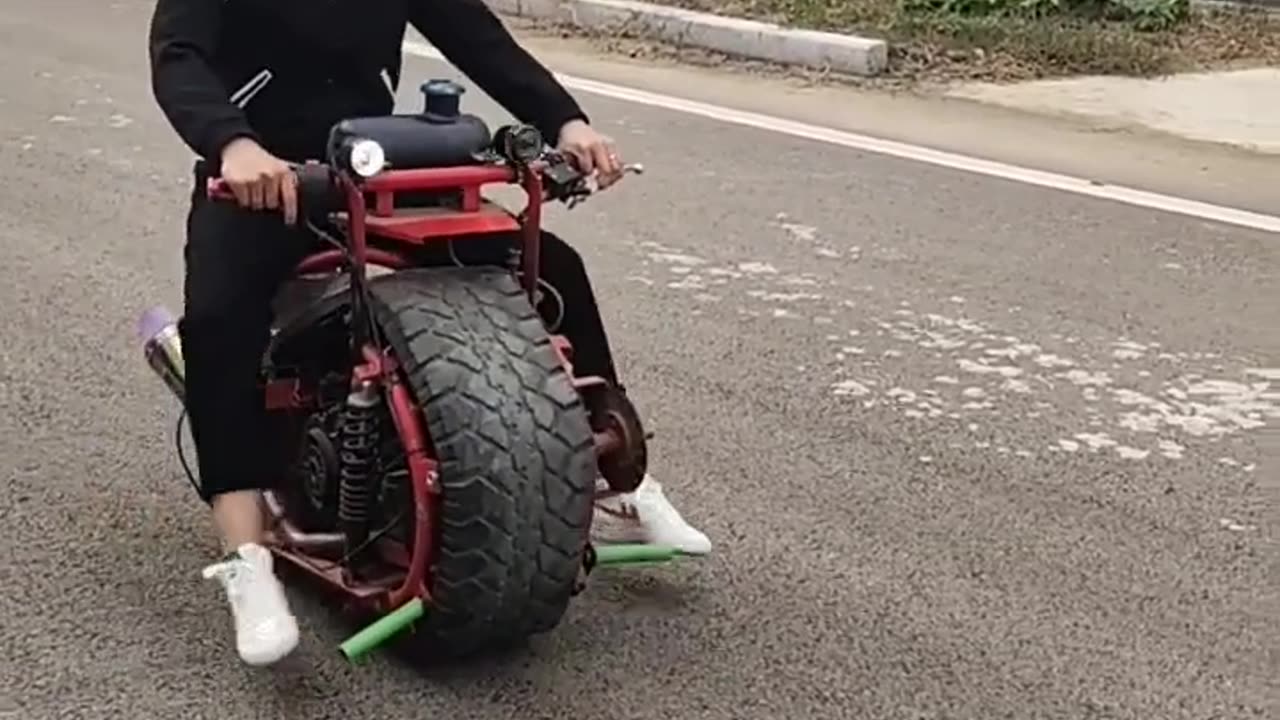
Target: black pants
{"x": 236, "y": 260}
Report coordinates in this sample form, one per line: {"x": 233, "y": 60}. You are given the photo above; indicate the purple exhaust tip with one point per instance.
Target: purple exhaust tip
{"x": 153, "y": 321}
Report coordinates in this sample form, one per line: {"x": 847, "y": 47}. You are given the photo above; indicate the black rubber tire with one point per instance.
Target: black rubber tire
{"x": 517, "y": 461}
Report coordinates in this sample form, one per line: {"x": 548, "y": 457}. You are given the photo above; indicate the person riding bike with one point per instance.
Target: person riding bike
{"x": 300, "y": 67}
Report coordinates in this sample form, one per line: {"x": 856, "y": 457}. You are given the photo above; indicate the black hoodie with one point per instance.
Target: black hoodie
{"x": 284, "y": 71}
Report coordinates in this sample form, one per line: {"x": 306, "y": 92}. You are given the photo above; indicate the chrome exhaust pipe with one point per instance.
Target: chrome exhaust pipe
{"x": 162, "y": 347}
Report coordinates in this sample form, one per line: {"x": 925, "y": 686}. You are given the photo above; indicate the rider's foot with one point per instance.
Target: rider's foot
{"x": 646, "y": 516}
{"x": 266, "y": 630}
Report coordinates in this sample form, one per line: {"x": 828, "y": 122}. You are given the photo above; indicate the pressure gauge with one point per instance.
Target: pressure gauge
{"x": 366, "y": 158}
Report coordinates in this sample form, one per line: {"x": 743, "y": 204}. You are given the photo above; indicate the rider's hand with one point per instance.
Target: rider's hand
{"x": 259, "y": 180}
{"x": 593, "y": 152}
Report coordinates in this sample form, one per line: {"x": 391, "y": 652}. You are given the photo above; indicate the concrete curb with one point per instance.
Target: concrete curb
{"x": 742, "y": 38}
{"x": 1271, "y": 7}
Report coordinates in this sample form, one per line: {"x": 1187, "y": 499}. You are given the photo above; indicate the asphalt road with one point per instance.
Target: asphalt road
{"x": 969, "y": 449}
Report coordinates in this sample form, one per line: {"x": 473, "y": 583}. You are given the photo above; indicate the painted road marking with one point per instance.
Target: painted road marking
{"x": 955, "y": 161}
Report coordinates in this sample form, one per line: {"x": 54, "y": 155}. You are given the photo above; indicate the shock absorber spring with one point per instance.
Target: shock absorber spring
{"x": 358, "y": 455}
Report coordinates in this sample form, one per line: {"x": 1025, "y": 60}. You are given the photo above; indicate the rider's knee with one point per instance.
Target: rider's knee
{"x": 560, "y": 258}
{"x": 222, "y": 301}
{"x": 223, "y": 322}
{"x": 235, "y": 263}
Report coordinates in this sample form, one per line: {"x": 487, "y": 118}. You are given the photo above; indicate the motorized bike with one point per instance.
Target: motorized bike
{"x": 439, "y": 459}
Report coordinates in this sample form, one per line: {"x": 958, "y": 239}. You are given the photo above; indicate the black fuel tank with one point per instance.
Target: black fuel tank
{"x": 439, "y": 136}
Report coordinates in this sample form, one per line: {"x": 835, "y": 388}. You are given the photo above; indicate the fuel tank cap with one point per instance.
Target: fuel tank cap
{"x": 441, "y": 99}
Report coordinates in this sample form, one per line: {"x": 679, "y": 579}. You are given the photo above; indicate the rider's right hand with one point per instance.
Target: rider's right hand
{"x": 260, "y": 180}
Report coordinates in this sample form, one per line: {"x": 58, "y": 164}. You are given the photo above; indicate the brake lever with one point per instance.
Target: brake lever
{"x": 588, "y": 186}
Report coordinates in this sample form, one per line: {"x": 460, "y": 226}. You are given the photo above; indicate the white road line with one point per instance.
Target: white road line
{"x": 1055, "y": 181}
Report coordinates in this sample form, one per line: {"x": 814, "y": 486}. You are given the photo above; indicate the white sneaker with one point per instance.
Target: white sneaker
{"x": 646, "y": 516}
{"x": 266, "y": 630}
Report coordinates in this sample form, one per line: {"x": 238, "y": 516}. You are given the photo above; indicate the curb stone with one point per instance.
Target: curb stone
{"x": 742, "y": 38}
{"x": 1271, "y": 7}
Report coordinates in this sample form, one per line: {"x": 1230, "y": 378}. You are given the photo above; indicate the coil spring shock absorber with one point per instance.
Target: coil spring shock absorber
{"x": 358, "y": 456}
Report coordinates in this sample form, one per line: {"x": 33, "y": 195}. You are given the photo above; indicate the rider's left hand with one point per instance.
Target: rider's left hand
{"x": 593, "y": 152}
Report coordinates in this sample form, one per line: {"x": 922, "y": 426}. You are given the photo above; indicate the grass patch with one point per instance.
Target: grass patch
{"x": 1016, "y": 39}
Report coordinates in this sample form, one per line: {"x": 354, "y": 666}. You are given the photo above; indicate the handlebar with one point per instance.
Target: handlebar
{"x": 563, "y": 181}
{"x": 217, "y": 189}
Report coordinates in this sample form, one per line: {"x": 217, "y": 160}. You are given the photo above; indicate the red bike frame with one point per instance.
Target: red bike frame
{"x": 370, "y": 211}
{"x": 476, "y": 216}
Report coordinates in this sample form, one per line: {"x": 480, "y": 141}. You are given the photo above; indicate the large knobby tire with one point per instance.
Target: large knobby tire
{"x": 517, "y": 462}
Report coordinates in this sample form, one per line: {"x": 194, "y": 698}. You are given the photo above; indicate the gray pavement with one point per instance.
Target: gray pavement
{"x": 970, "y": 449}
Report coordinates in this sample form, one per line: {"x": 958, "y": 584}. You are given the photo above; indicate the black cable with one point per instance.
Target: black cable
{"x": 360, "y": 287}
{"x": 324, "y": 235}
{"x": 182, "y": 455}
{"x": 346, "y": 557}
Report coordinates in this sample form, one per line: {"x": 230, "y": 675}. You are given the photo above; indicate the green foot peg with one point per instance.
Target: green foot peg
{"x": 612, "y": 555}
{"x": 367, "y": 640}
